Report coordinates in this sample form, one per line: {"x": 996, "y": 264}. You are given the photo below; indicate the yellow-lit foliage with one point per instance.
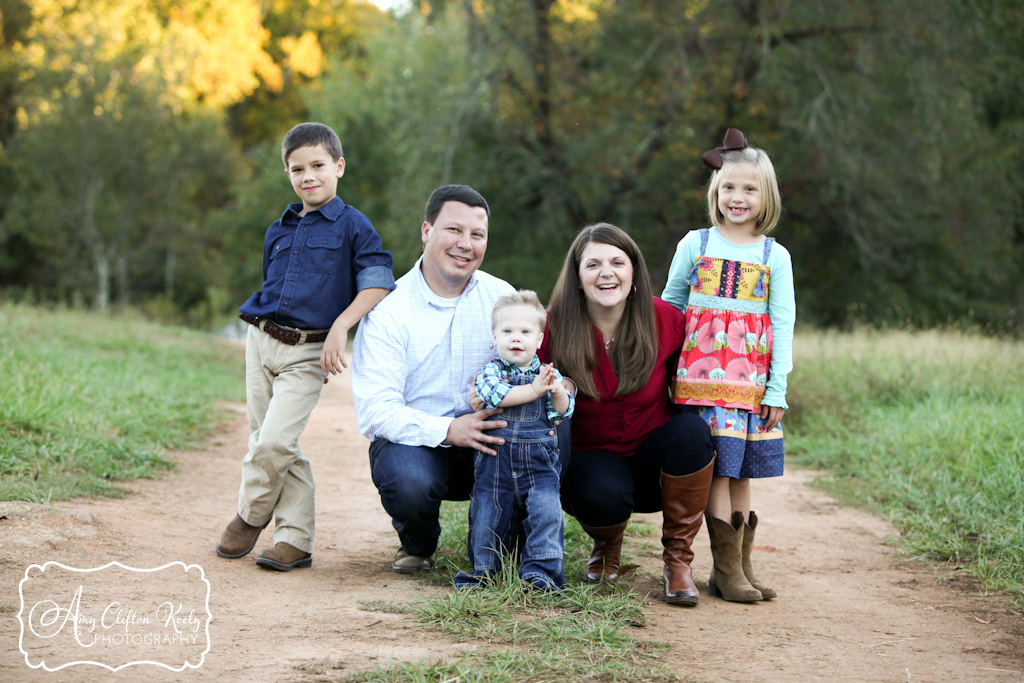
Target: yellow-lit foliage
{"x": 306, "y": 28}
{"x": 578, "y": 11}
{"x": 303, "y": 54}
{"x": 213, "y": 50}
{"x": 208, "y": 51}
{"x": 694, "y": 8}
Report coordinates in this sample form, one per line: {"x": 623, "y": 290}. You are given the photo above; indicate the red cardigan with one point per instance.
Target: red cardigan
{"x": 619, "y": 424}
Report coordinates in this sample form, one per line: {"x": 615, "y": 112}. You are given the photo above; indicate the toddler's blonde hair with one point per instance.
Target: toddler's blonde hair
{"x": 523, "y": 297}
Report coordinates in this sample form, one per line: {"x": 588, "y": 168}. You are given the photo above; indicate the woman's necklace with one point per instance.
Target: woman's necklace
{"x": 607, "y": 323}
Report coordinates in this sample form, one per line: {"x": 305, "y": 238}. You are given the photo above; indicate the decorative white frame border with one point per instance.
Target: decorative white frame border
{"x": 42, "y": 568}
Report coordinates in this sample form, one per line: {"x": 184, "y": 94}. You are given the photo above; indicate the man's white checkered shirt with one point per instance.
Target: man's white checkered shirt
{"x": 415, "y": 355}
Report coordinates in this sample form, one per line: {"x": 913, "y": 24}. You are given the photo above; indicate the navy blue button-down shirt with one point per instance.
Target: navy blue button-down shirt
{"x": 314, "y": 265}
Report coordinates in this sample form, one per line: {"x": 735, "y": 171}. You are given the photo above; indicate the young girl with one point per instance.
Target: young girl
{"x": 736, "y": 288}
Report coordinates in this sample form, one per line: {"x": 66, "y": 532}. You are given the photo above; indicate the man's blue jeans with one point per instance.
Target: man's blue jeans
{"x": 413, "y": 480}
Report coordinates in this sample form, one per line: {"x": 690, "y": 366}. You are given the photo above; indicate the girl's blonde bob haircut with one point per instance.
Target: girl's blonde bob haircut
{"x": 768, "y": 183}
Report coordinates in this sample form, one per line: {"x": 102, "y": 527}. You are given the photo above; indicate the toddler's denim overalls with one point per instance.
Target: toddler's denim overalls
{"x": 519, "y": 484}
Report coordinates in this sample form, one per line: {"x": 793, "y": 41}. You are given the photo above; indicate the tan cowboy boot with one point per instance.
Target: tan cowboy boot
{"x": 238, "y": 538}
{"x": 683, "y": 502}
{"x": 604, "y": 558}
{"x": 284, "y": 557}
{"x": 727, "y": 579}
{"x": 767, "y": 593}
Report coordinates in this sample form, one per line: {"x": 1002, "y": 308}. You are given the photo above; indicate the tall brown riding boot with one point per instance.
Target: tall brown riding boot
{"x": 683, "y": 502}
{"x": 767, "y": 593}
{"x": 604, "y": 558}
{"x": 727, "y": 579}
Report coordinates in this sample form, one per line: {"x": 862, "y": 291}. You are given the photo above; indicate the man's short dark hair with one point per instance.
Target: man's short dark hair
{"x": 310, "y": 135}
{"x": 454, "y": 193}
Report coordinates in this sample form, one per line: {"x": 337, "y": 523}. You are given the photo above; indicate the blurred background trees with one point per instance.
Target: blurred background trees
{"x": 139, "y": 139}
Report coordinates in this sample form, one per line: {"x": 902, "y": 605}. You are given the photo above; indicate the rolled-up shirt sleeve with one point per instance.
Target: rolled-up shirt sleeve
{"x": 553, "y": 413}
{"x": 372, "y": 263}
{"x": 491, "y": 386}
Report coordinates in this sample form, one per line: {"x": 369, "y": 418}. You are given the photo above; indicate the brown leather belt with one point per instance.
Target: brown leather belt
{"x": 285, "y": 335}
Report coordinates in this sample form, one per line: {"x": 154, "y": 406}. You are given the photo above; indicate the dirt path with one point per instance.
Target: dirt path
{"x": 849, "y": 608}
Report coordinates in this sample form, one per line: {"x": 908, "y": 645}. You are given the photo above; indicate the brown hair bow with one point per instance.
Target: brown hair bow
{"x": 734, "y": 139}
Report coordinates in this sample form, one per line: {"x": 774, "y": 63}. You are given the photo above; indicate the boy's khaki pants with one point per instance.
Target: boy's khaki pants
{"x": 282, "y": 385}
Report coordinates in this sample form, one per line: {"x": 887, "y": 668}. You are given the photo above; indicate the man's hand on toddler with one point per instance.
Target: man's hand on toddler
{"x": 470, "y": 430}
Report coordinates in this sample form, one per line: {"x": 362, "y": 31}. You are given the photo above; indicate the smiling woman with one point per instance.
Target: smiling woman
{"x": 632, "y": 451}
{"x": 606, "y": 275}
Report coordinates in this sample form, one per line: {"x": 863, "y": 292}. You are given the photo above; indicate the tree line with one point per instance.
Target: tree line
{"x": 140, "y": 161}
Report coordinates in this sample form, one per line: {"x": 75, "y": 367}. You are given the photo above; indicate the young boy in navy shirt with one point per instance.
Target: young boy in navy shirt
{"x": 323, "y": 269}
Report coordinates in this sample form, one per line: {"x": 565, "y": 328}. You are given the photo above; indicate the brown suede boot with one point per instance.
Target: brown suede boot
{"x": 767, "y": 593}
{"x": 604, "y": 558}
{"x": 238, "y": 538}
{"x": 683, "y": 500}
{"x": 727, "y": 579}
{"x": 284, "y": 557}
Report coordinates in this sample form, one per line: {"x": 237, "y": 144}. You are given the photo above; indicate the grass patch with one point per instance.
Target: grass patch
{"x": 382, "y": 606}
{"x": 90, "y": 400}
{"x": 452, "y": 557}
{"x": 586, "y": 633}
{"x": 924, "y": 428}
{"x": 321, "y": 666}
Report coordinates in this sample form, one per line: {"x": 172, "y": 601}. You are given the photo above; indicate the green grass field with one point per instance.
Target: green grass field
{"x": 90, "y": 400}
{"x": 924, "y": 428}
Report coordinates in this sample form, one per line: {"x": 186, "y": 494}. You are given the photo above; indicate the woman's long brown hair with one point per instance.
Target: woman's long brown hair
{"x": 571, "y": 329}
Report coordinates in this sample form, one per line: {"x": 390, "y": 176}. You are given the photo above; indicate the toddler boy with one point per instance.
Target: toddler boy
{"x": 323, "y": 269}
{"x": 523, "y": 476}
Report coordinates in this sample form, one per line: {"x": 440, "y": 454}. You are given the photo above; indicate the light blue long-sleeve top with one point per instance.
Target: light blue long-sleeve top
{"x": 781, "y": 299}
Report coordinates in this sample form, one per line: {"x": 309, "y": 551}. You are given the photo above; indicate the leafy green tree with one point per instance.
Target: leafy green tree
{"x": 890, "y": 174}
{"x": 410, "y": 116}
{"x": 127, "y": 158}
{"x": 561, "y": 113}
{"x": 15, "y": 20}
{"x": 116, "y": 188}
{"x": 230, "y": 239}
{"x": 303, "y": 38}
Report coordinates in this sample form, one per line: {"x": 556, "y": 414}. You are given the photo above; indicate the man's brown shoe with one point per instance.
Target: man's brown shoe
{"x": 238, "y": 538}
{"x": 284, "y": 557}
{"x": 404, "y": 563}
